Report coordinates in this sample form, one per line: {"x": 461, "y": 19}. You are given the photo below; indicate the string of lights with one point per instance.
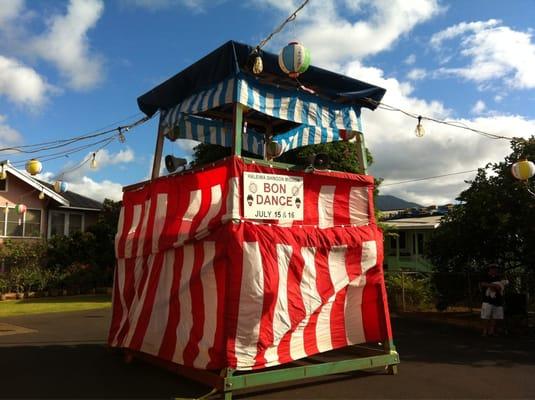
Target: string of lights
{"x": 50, "y": 145}
{"x": 89, "y": 158}
{"x": 64, "y": 153}
{"x": 419, "y": 118}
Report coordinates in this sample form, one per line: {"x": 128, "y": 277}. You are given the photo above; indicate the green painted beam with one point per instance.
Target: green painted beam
{"x": 237, "y": 130}
{"x": 249, "y": 160}
{"x": 238, "y": 382}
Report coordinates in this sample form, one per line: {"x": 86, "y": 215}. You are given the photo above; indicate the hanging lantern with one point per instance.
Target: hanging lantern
{"x": 93, "y": 164}
{"x": 523, "y": 170}
{"x": 41, "y": 195}
{"x": 34, "y": 166}
{"x": 21, "y": 210}
{"x": 273, "y": 150}
{"x": 60, "y": 186}
{"x": 294, "y": 59}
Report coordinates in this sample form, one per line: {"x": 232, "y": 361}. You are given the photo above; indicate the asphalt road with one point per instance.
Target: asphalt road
{"x": 67, "y": 358}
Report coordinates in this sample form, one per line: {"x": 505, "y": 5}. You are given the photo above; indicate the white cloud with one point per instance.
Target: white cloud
{"x": 187, "y": 146}
{"x": 66, "y": 44}
{"x": 105, "y": 189}
{"x": 81, "y": 183}
{"x": 337, "y": 36}
{"x": 159, "y": 5}
{"x": 8, "y": 135}
{"x": 399, "y": 155}
{"x": 494, "y": 51}
{"x": 460, "y": 29}
{"x": 22, "y": 84}
{"x": 479, "y": 107}
{"x": 9, "y": 11}
{"x": 104, "y": 159}
{"x": 417, "y": 74}
{"x": 410, "y": 60}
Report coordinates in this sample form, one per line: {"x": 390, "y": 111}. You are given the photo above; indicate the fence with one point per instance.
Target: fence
{"x": 426, "y": 291}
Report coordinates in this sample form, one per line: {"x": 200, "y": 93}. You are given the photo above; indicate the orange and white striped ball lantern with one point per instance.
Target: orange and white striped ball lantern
{"x": 34, "y": 166}
{"x": 523, "y": 170}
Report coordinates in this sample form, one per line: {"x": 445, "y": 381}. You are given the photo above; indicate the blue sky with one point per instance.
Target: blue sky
{"x": 71, "y": 67}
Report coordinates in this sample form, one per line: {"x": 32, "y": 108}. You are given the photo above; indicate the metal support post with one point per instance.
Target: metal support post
{"x": 237, "y": 129}
{"x": 157, "y": 156}
{"x": 403, "y": 291}
{"x": 361, "y": 154}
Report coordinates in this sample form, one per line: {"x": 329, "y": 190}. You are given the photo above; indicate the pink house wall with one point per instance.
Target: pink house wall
{"x": 19, "y": 192}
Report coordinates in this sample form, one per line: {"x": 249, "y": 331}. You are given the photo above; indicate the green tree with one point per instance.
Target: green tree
{"x": 493, "y": 221}
{"x": 342, "y": 155}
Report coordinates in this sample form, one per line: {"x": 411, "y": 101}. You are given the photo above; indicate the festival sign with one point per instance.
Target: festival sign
{"x": 271, "y": 196}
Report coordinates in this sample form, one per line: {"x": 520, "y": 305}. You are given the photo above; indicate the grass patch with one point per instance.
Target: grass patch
{"x": 10, "y": 308}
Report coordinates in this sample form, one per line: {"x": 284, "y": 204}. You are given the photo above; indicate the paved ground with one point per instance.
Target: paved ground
{"x": 67, "y": 358}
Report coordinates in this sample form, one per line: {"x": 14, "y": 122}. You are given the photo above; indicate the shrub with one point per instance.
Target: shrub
{"x": 21, "y": 254}
{"x": 416, "y": 288}
{"x": 4, "y": 285}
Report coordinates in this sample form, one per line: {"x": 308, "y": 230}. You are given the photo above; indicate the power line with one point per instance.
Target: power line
{"x": 281, "y": 26}
{"x": 50, "y": 145}
{"x": 428, "y": 177}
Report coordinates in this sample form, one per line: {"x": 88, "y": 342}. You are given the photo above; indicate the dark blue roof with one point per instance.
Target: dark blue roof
{"x": 231, "y": 59}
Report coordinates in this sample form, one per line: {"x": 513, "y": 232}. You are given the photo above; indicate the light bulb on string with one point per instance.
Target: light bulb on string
{"x": 42, "y": 195}
{"x": 121, "y": 136}
{"x": 93, "y": 164}
{"x": 419, "y": 131}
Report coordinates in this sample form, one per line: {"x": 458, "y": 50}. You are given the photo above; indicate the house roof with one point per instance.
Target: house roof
{"x": 76, "y": 200}
{"x": 67, "y": 199}
{"x": 36, "y": 184}
{"x": 431, "y": 222}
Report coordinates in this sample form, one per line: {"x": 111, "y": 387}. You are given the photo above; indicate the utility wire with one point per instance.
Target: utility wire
{"x": 44, "y": 146}
{"x": 281, "y": 26}
{"x": 64, "y": 153}
{"x": 427, "y": 178}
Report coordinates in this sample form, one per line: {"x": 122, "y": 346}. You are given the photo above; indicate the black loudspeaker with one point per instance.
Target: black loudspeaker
{"x": 172, "y": 163}
{"x": 319, "y": 161}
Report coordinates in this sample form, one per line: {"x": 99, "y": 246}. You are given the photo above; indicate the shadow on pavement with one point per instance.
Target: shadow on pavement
{"x": 432, "y": 342}
{"x": 85, "y": 371}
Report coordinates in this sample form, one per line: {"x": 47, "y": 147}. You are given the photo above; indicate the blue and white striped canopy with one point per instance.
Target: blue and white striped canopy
{"x": 321, "y": 120}
{"x": 214, "y": 132}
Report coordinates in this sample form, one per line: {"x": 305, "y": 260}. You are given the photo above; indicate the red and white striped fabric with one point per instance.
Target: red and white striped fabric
{"x": 194, "y": 289}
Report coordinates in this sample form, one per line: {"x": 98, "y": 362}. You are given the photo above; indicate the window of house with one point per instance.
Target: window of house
{"x": 65, "y": 223}
{"x": 57, "y": 223}
{"x": 402, "y": 240}
{"x": 32, "y": 223}
{"x": 418, "y": 240}
{"x": 75, "y": 223}
{"x": 13, "y": 224}
{"x": 3, "y": 185}
{"x": 3, "y": 215}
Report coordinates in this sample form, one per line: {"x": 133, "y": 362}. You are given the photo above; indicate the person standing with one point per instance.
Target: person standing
{"x": 492, "y": 286}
